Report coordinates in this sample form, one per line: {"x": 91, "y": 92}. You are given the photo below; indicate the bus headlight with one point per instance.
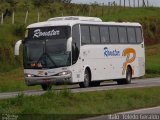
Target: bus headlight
{"x": 64, "y": 73}
{"x": 28, "y": 75}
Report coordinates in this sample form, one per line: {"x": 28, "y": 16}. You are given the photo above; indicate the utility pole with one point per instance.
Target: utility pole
{"x": 2, "y": 19}
{"x": 38, "y": 17}
{"x": 108, "y": 8}
{"x": 25, "y": 21}
{"x": 120, "y": 3}
{"x": 129, "y": 3}
{"x": 147, "y": 3}
{"x": 102, "y": 9}
{"x": 89, "y": 10}
{"x": 13, "y": 19}
{"x": 134, "y": 3}
{"x": 114, "y": 7}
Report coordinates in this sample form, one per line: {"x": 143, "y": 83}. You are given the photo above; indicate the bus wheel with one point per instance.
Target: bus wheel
{"x": 128, "y": 75}
{"x": 46, "y": 87}
{"x": 86, "y": 82}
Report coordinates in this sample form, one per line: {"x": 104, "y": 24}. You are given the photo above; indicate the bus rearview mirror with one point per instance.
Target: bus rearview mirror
{"x": 17, "y": 46}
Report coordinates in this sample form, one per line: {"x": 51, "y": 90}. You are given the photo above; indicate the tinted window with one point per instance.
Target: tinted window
{"x": 131, "y": 35}
{"x": 75, "y": 43}
{"x": 49, "y": 53}
{"x": 122, "y": 34}
{"x": 85, "y": 36}
{"x": 104, "y": 34}
{"x": 139, "y": 35}
{"x": 76, "y": 35}
{"x": 95, "y": 38}
{"x": 113, "y": 34}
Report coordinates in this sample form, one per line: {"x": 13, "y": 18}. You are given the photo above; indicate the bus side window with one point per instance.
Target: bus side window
{"x": 122, "y": 34}
{"x": 131, "y": 35}
{"x": 113, "y": 34}
{"x": 85, "y": 35}
{"x": 75, "y": 43}
{"x": 139, "y": 35}
{"x": 104, "y": 34}
{"x": 95, "y": 38}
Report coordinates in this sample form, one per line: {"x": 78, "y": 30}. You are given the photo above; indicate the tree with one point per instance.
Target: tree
{"x": 66, "y": 1}
{"x": 12, "y": 4}
{"x": 39, "y": 3}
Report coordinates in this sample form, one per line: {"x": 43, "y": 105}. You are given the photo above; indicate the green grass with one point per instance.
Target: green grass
{"x": 69, "y": 105}
{"x": 153, "y": 59}
{"x": 132, "y": 14}
{"x": 14, "y": 81}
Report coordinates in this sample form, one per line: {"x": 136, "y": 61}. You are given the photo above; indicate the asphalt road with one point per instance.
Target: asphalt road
{"x": 136, "y": 83}
{"x": 140, "y": 114}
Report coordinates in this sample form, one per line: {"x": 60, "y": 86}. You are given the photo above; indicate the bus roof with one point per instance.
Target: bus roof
{"x": 72, "y": 20}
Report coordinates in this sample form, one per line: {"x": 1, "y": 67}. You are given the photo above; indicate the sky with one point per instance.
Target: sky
{"x": 151, "y": 2}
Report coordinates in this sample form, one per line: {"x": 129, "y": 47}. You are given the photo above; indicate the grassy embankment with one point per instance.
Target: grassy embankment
{"x": 11, "y": 72}
{"x": 152, "y": 61}
{"x": 66, "y": 105}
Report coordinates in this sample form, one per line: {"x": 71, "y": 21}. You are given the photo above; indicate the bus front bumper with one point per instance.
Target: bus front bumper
{"x": 66, "y": 79}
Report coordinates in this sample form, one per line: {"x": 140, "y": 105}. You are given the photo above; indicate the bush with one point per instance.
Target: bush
{"x": 18, "y": 101}
{"x": 153, "y": 27}
{"x": 66, "y": 93}
{"x": 19, "y": 30}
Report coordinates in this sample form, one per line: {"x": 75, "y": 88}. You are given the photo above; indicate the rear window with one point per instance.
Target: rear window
{"x": 131, "y": 35}
{"x": 139, "y": 35}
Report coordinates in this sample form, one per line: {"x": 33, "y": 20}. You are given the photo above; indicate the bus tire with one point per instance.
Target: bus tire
{"x": 46, "y": 87}
{"x": 128, "y": 75}
{"x": 86, "y": 82}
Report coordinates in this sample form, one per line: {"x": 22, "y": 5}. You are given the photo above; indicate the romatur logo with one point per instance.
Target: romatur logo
{"x": 108, "y": 52}
{"x": 38, "y": 33}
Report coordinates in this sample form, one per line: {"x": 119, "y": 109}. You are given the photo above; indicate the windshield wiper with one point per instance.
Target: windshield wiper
{"x": 51, "y": 59}
{"x": 47, "y": 55}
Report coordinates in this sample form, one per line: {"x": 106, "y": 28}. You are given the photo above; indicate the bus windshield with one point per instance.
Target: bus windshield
{"x": 47, "y": 49}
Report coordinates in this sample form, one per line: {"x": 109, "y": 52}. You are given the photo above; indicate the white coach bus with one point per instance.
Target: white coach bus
{"x": 82, "y": 50}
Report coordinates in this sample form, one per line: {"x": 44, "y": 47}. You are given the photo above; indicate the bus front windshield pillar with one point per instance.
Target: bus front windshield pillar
{"x": 69, "y": 44}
